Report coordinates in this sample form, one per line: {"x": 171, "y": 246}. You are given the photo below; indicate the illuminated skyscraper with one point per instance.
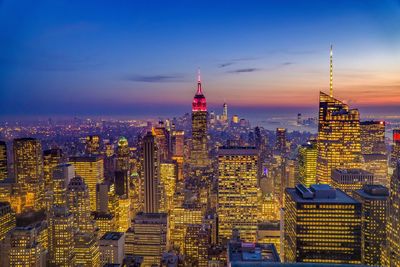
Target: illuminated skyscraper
{"x": 51, "y": 158}
{"x": 168, "y": 177}
{"x": 377, "y": 164}
{"x": 91, "y": 169}
{"x": 112, "y": 248}
{"x": 321, "y": 224}
{"x": 28, "y": 170}
{"x": 269, "y": 232}
{"x": 92, "y": 145}
{"x": 238, "y": 200}
{"x": 280, "y": 144}
{"x": 199, "y": 149}
{"x": 396, "y": 147}
{"x": 86, "y": 250}
{"x": 349, "y": 180}
{"x": 123, "y": 155}
{"x": 61, "y": 176}
{"x": 197, "y": 242}
{"x": 161, "y": 136}
{"x": 3, "y": 161}
{"x": 150, "y": 237}
{"x": 61, "y": 237}
{"x": 178, "y": 145}
{"x": 151, "y": 160}
{"x": 225, "y": 112}
{"x": 79, "y": 205}
{"x": 7, "y": 219}
{"x": 392, "y": 252}
{"x": 373, "y": 236}
{"x": 373, "y": 137}
{"x": 307, "y": 174}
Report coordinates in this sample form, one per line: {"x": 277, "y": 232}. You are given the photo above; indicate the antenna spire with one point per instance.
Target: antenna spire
{"x": 198, "y": 75}
{"x": 331, "y": 74}
{"x": 199, "y": 90}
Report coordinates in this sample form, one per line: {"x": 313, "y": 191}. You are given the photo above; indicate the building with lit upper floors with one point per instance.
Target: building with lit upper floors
{"x": 372, "y": 137}
{"x": 373, "y": 222}
{"x": 395, "y": 155}
{"x": 349, "y": 180}
{"x": 91, "y": 169}
{"x": 238, "y": 193}
{"x": 321, "y": 225}
{"x": 307, "y": 163}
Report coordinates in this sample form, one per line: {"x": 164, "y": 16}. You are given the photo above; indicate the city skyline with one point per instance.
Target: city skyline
{"x": 60, "y": 60}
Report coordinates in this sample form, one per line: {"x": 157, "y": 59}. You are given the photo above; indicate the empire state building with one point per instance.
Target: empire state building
{"x": 199, "y": 150}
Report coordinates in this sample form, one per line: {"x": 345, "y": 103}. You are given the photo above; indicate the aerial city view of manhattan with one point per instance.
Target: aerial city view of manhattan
{"x": 199, "y": 133}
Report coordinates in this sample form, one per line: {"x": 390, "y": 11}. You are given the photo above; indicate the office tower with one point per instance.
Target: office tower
{"x": 123, "y": 213}
{"x": 280, "y": 145}
{"x": 151, "y": 164}
{"x": 168, "y": 177}
{"x": 7, "y": 219}
{"x": 372, "y": 137}
{"x": 338, "y": 137}
{"x": 20, "y": 247}
{"x": 150, "y": 237}
{"x": 161, "y": 136}
{"x": 269, "y": 232}
{"x": 105, "y": 222}
{"x": 28, "y": 170}
{"x": 92, "y": 146}
{"x": 3, "y": 161}
{"x": 61, "y": 237}
{"x": 123, "y": 155}
{"x": 307, "y": 160}
{"x": 338, "y": 144}
{"x": 377, "y": 164}
{"x": 51, "y": 158}
{"x": 178, "y": 147}
{"x": 349, "y": 180}
{"x": 395, "y": 147}
{"x": 180, "y": 217}
{"x": 79, "y": 205}
{"x": 197, "y": 242}
{"x": 251, "y": 254}
{"x": 91, "y": 169}
{"x": 373, "y": 223}
{"x": 238, "y": 202}
{"x": 86, "y": 250}
{"x": 112, "y": 249}
{"x": 122, "y": 183}
{"x": 199, "y": 149}
{"x": 290, "y": 170}
{"x": 224, "y": 116}
{"x": 61, "y": 176}
{"x": 392, "y": 252}
{"x": 321, "y": 224}
{"x": 235, "y": 119}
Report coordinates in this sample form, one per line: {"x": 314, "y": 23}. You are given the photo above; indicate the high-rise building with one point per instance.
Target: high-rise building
{"x": 395, "y": 147}
{"x": 238, "y": 200}
{"x": 3, "y": 161}
{"x": 92, "y": 145}
{"x": 28, "y": 170}
{"x": 339, "y": 144}
{"x": 79, "y": 205}
{"x": 7, "y": 219}
{"x": 51, "y": 158}
{"x": 91, "y": 169}
{"x": 161, "y": 136}
{"x": 197, "y": 242}
{"x": 199, "y": 149}
{"x": 150, "y": 237}
{"x": 307, "y": 161}
{"x": 269, "y": 232}
{"x": 151, "y": 164}
{"x": 372, "y": 137}
{"x": 392, "y": 252}
{"x": 280, "y": 145}
{"x": 86, "y": 250}
{"x": 224, "y": 116}
{"x": 112, "y": 250}
{"x": 349, "y": 180}
{"x": 61, "y": 176}
{"x": 122, "y": 183}
{"x": 373, "y": 223}
{"x": 168, "y": 177}
{"x": 377, "y": 164}
{"x": 321, "y": 224}
{"x": 61, "y": 237}
{"x": 123, "y": 155}
{"x": 178, "y": 142}
{"x": 20, "y": 247}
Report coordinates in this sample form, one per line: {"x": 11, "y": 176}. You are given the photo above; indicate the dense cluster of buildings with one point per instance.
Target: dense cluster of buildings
{"x": 217, "y": 194}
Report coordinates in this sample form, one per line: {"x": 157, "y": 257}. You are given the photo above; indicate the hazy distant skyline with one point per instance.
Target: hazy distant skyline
{"x": 134, "y": 57}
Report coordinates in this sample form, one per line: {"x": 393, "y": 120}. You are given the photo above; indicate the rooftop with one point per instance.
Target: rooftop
{"x": 373, "y": 192}
{"x": 251, "y": 252}
{"x": 112, "y": 236}
{"x": 319, "y": 193}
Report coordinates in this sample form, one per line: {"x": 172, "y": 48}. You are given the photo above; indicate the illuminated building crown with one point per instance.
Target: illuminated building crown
{"x": 199, "y": 100}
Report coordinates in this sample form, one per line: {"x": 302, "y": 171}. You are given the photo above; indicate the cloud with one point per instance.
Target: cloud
{"x": 236, "y": 60}
{"x": 287, "y": 63}
{"x": 154, "y": 78}
{"x": 226, "y": 64}
{"x": 245, "y": 70}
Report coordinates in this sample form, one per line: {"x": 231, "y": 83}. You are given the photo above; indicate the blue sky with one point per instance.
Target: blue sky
{"x": 141, "y": 57}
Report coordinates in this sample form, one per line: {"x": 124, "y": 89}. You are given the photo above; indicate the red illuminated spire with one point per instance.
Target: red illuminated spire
{"x": 199, "y": 100}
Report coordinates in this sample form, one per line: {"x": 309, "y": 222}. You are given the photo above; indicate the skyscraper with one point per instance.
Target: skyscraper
{"x": 280, "y": 145}
{"x": 92, "y": 145}
{"x": 349, "y": 180}
{"x": 3, "y": 161}
{"x": 373, "y": 223}
{"x": 122, "y": 160}
{"x": 225, "y": 112}
{"x": 28, "y": 170}
{"x": 307, "y": 161}
{"x": 238, "y": 201}
{"x": 396, "y": 147}
{"x": 321, "y": 224}
{"x": 61, "y": 176}
{"x": 392, "y": 253}
{"x": 372, "y": 137}
{"x": 91, "y": 169}
{"x": 199, "y": 149}
{"x": 151, "y": 164}
{"x": 51, "y": 158}
{"x": 7, "y": 219}
{"x": 162, "y": 139}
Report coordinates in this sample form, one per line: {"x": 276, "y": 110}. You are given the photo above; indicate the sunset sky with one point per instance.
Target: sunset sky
{"x": 141, "y": 57}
